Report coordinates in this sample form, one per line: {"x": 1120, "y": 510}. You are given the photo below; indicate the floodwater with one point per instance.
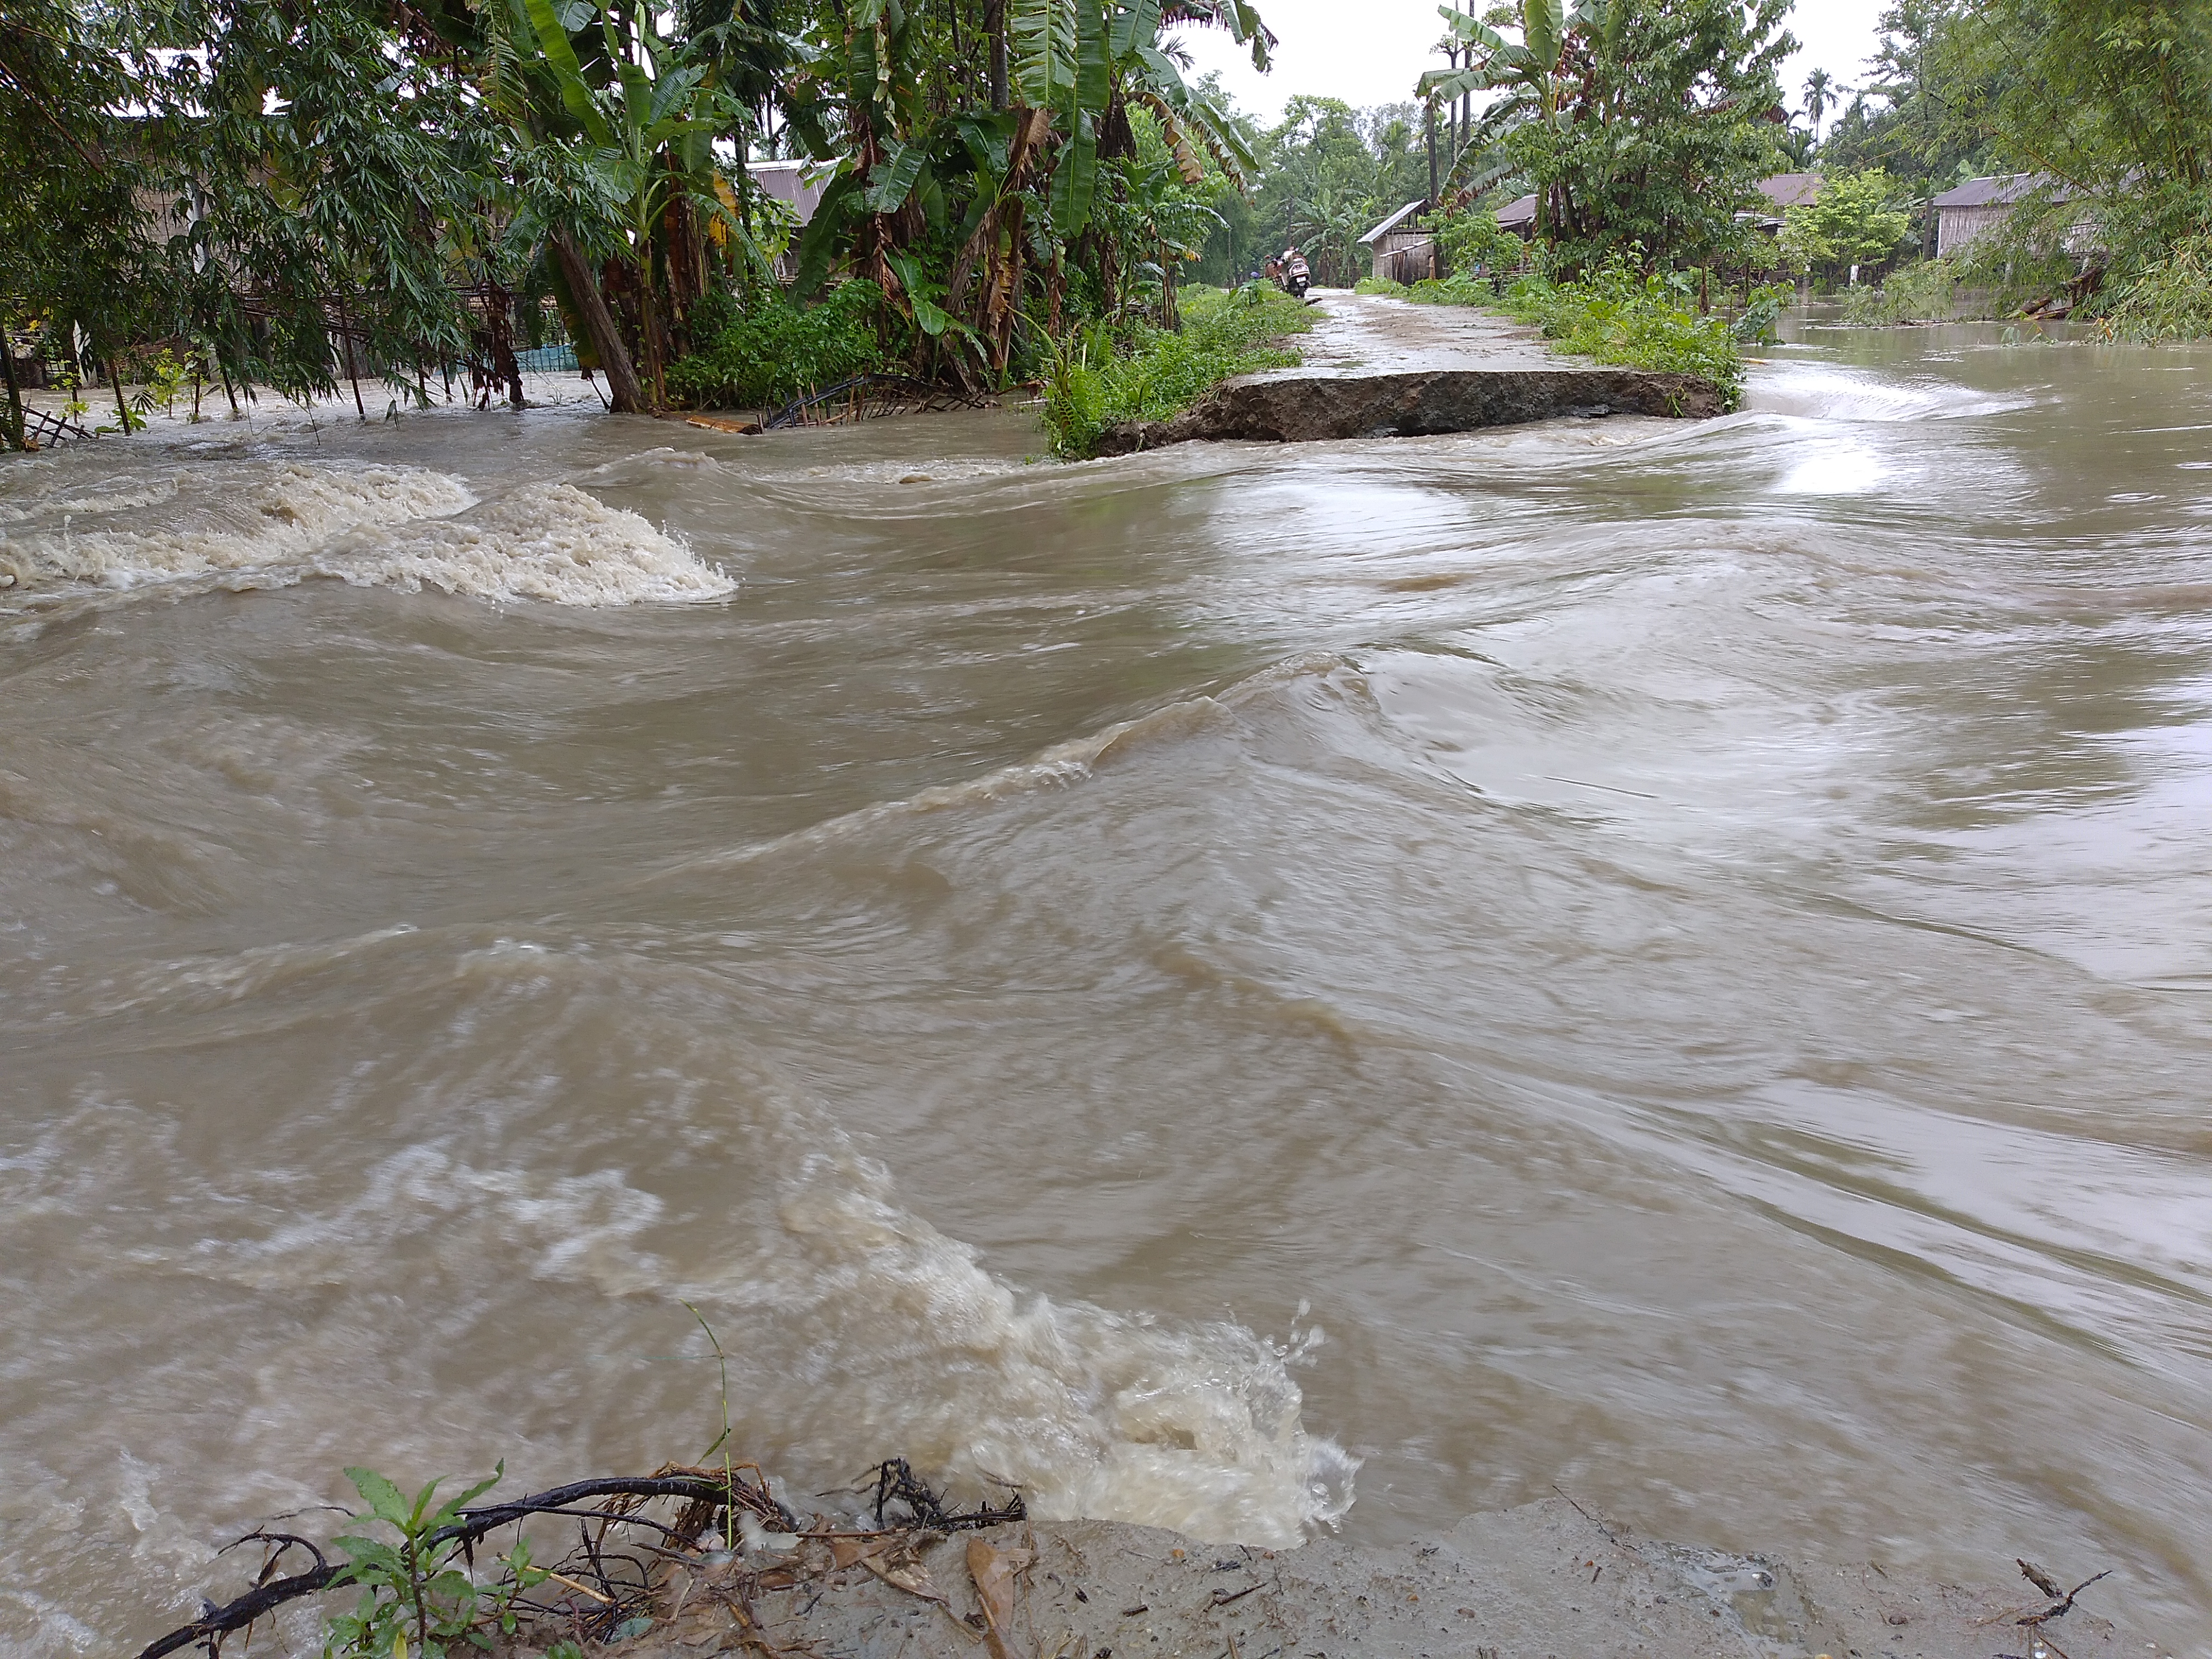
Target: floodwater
{"x": 1248, "y": 988}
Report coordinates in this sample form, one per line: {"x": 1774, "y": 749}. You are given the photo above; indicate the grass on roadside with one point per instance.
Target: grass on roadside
{"x": 1614, "y": 314}
{"x": 1097, "y": 381}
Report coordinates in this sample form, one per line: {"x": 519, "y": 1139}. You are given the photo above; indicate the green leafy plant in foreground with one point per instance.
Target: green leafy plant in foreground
{"x": 415, "y": 1603}
{"x": 1155, "y": 375}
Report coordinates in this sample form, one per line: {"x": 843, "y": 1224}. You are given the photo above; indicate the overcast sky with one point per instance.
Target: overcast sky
{"x": 1373, "y": 53}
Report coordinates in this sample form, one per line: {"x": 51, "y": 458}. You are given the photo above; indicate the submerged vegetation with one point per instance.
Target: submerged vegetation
{"x": 1926, "y": 292}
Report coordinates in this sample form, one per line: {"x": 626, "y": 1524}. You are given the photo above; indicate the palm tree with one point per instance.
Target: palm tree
{"x": 1820, "y": 96}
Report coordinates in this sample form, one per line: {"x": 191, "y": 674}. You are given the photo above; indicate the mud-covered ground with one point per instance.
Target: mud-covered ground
{"x": 1545, "y": 1581}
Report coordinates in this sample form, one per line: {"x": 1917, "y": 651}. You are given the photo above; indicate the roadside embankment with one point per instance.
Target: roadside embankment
{"x": 1378, "y": 366}
{"x": 692, "y": 1560}
{"x": 1545, "y": 1579}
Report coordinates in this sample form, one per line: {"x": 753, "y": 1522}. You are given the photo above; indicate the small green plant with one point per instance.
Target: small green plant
{"x": 1756, "y": 323}
{"x": 415, "y": 1601}
{"x": 75, "y": 403}
{"x": 165, "y": 375}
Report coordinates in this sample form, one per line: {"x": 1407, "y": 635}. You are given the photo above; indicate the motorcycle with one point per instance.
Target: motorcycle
{"x": 1296, "y": 282}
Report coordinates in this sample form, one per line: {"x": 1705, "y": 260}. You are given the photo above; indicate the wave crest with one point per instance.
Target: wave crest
{"x": 273, "y": 524}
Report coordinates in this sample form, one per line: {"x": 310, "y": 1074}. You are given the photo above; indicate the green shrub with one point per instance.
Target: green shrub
{"x": 1926, "y": 292}
{"x": 775, "y": 349}
{"x": 2169, "y": 299}
{"x": 1155, "y": 375}
{"x": 1475, "y": 240}
{"x": 1615, "y": 314}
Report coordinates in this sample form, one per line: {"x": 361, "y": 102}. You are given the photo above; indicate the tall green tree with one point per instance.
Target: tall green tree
{"x": 1643, "y": 122}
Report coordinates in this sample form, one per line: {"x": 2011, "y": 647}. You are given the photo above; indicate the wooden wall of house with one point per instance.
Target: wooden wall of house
{"x": 1958, "y": 229}
{"x": 1403, "y": 257}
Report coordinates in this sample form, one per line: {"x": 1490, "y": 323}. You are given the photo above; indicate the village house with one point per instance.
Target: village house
{"x": 1402, "y": 249}
{"x": 1966, "y": 214}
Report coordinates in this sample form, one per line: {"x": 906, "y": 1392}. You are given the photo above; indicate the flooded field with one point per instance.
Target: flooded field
{"x": 1254, "y": 989}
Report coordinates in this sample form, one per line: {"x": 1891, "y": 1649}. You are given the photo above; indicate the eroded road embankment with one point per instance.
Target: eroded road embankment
{"x": 1377, "y": 367}
{"x": 1544, "y": 1579}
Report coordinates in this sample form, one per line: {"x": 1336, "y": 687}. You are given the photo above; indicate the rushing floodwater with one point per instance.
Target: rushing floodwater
{"x": 1246, "y": 989}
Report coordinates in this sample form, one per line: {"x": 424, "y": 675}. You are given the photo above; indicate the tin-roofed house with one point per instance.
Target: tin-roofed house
{"x": 1785, "y": 191}
{"x": 1402, "y": 249}
{"x": 1965, "y": 216}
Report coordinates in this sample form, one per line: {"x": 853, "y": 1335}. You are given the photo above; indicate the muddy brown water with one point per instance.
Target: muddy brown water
{"x": 1251, "y": 990}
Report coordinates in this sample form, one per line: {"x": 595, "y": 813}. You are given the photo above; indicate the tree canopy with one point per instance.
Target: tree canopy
{"x": 1644, "y": 124}
{"x": 285, "y": 192}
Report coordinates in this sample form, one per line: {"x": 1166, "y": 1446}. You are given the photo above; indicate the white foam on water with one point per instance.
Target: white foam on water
{"x": 855, "y": 1330}
{"x": 1090, "y": 1412}
{"x": 548, "y": 542}
{"x": 220, "y": 518}
{"x": 1826, "y": 392}
{"x": 265, "y": 524}
{"x": 876, "y": 1334}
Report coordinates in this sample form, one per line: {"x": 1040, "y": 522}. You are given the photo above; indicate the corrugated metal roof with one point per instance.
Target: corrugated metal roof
{"x": 1789, "y": 190}
{"x": 1393, "y": 222}
{"x": 1519, "y": 212}
{"x": 1999, "y": 190}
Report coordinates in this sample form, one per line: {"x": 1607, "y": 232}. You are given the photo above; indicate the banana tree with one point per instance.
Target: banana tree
{"x": 1536, "y": 73}
{"x": 650, "y": 131}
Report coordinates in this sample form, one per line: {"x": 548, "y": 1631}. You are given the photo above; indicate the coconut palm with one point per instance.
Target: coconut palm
{"x": 1820, "y": 96}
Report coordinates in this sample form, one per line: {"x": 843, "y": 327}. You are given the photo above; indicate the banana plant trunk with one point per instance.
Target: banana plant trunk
{"x": 623, "y": 392}
{"x": 648, "y": 325}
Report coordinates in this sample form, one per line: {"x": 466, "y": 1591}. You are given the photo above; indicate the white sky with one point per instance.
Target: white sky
{"x": 1374, "y": 53}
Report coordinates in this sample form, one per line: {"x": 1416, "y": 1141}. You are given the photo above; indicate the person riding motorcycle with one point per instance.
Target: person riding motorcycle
{"x": 1297, "y": 276}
